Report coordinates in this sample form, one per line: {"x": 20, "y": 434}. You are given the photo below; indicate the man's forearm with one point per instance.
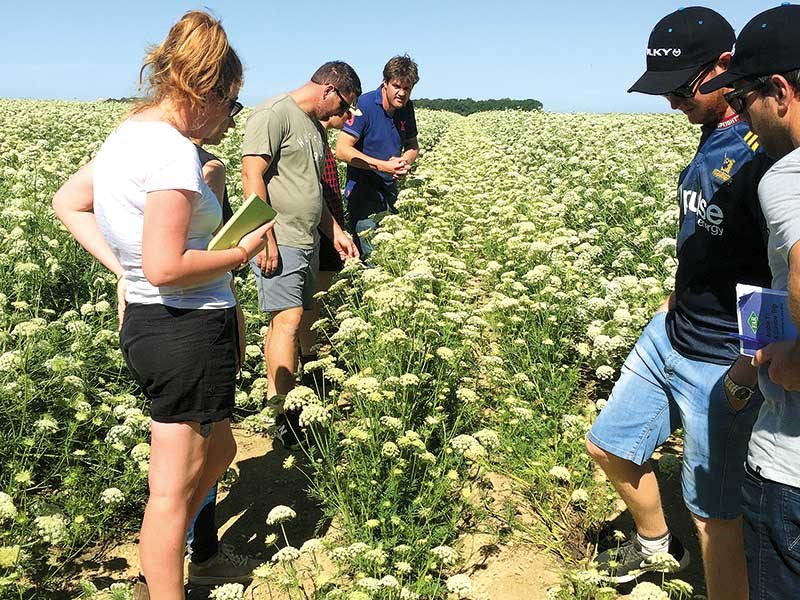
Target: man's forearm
{"x": 326, "y": 222}
{"x": 410, "y": 155}
{"x": 253, "y": 169}
{"x": 743, "y": 372}
{"x": 794, "y": 297}
{"x": 254, "y": 185}
{"x": 358, "y": 159}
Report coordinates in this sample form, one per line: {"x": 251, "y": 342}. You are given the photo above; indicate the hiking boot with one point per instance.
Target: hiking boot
{"x": 289, "y": 432}
{"x": 627, "y": 562}
{"x": 224, "y": 567}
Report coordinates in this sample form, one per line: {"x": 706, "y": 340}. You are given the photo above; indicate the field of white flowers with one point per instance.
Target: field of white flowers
{"x": 529, "y": 252}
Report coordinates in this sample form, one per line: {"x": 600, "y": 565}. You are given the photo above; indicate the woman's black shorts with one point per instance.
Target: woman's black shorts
{"x": 183, "y": 359}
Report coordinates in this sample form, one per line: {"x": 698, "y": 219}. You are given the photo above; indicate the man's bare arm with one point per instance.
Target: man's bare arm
{"x": 410, "y": 150}
{"x": 254, "y": 166}
{"x": 253, "y": 169}
{"x": 346, "y": 151}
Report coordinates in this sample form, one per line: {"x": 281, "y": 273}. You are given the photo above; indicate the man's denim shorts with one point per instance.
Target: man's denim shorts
{"x": 660, "y": 390}
{"x": 293, "y": 284}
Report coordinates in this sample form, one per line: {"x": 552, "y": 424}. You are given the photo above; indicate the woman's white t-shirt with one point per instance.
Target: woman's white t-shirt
{"x": 147, "y": 156}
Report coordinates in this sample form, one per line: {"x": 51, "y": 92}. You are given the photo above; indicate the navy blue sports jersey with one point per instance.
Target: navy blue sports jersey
{"x": 720, "y": 243}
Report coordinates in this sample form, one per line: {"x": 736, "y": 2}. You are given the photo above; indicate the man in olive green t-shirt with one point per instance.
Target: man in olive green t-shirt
{"x": 282, "y": 161}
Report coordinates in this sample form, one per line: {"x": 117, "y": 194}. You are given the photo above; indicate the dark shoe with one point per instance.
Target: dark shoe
{"x": 289, "y": 432}
{"x": 627, "y": 562}
{"x": 224, "y": 567}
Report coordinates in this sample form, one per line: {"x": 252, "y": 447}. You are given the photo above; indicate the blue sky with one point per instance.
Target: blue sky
{"x": 571, "y": 55}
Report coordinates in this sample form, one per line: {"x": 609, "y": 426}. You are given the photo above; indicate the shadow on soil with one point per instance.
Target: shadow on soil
{"x": 680, "y": 524}
{"x": 262, "y": 484}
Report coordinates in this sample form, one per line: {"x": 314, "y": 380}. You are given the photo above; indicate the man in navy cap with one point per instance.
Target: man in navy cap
{"x": 765, "y": 77}
{"x": 683, "y": 371}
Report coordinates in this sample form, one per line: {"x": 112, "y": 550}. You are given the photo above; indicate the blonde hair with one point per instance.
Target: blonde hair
{"x": 192, "y": 62}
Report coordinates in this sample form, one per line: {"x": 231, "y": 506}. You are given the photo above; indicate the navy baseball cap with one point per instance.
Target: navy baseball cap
{"x": 680, "y": 45}
{"x": 769, "y": 43}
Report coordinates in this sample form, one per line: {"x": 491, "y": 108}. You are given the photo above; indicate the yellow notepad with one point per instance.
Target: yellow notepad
{"x": 252, "y": 214}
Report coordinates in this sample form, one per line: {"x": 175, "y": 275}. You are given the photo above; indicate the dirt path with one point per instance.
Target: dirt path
{"x": 508, "y": 571}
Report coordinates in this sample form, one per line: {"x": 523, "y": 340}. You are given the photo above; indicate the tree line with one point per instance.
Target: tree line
{"x": 467, "y": 106}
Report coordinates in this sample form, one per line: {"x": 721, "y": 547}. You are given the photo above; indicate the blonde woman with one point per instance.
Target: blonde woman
{"x": 142, "y": 208}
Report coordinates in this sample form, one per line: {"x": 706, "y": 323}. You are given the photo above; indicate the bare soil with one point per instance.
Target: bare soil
{"x": 508, "y": 570}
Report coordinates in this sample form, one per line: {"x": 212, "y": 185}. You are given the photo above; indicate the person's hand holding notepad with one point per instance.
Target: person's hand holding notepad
{"x": 252, "y": 214}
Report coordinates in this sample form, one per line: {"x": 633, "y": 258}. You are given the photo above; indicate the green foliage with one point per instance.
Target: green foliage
{"x": 468, "y": 106}
{"x": 529, "y": 251}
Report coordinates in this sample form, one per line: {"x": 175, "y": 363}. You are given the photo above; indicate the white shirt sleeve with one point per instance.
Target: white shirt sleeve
{"x": 779, "y": 193}
{"x": 175, "y": 166}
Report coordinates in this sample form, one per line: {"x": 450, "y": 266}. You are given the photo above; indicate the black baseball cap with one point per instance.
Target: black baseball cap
{"x": 769, "y": 43}
{"x": 680, "y": 45}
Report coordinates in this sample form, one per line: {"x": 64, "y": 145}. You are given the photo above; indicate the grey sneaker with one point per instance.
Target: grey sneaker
{"x": 627, "y": 562}
{"x": 140, "y": 591}
{"x": 289, "y": 431}
{"x": 224, "y": 567}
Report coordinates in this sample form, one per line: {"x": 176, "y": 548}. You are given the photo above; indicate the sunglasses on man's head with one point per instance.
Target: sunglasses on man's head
{"x": 737, "y": 99}
{"x": 688, "y": 90}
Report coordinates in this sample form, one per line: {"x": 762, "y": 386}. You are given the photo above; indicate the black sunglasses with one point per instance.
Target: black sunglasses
{"x": 736, "y": 98}
{"x": 688, "y": 90}
{"x": 235, "y": 107}
{"x": 345, "y": 105}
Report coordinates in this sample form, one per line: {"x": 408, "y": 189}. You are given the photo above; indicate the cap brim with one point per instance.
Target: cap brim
{"x": 723, "y": 80}
{"x": 659, "y": 83}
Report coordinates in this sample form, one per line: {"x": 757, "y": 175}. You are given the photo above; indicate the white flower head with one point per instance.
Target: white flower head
{"x": 140, "y": 452}
{"x": 8, "y": 511}
{"x": 560, "y": 473}
{"x": 112, "y": 496}
{"x": 604, "y": 373}
{"x": 487, "y": 438}
{"x": 446, "y": 354}
{"x": 387, "y": 581}
{"x": 460, "y": 585}
{"x": 52, "y": 529}
{"x": 287, "y": 554}
{"x": 311, "y": 546}
{"x": 390, "y": 450}
{"x": 299, "y": 397}
{"x": 369, "y": 583}
{"x": 445, "y": 555}
{"x": 228, "y": 591}
{"x": 579, "y": 497}
{"x": 46, "y": 424}
{"x": 664, "y": 561}
{"x": 10, "y": 556}
{"x": 314, "y": 413}
{"x": 648, "y": 591}
{"x": 279, "y": 514}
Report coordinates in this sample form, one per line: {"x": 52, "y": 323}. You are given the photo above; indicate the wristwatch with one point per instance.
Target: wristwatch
{"x": 742, "y": 393}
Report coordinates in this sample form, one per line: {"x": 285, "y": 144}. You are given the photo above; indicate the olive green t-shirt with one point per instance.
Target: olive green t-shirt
{"x": 293, "y": 141}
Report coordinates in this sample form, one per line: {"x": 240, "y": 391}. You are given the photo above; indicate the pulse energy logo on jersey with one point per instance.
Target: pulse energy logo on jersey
{"x": 708, "y": 216}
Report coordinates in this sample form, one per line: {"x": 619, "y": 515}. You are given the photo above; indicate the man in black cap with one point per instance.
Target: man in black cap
{"x": 765, "y": 77}
{"x": 683, "y": 371}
